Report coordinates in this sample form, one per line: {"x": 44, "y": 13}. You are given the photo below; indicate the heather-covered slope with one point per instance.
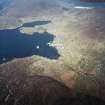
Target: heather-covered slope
{"x": 79, "y": 39}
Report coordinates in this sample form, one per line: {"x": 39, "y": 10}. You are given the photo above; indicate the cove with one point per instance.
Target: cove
{"x": 35, "y": 23}
{"x": 14, "y": 44}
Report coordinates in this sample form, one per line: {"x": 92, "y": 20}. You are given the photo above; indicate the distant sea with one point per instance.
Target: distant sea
{"x": 84, "y": 5}
{"x": 4, "y": 5}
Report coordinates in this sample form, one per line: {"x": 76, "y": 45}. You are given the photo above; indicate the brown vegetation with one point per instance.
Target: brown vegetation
{"x": 19, "y": 89}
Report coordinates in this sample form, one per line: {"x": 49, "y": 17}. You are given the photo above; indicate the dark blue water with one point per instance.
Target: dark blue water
{"x": 35, "y": 23}
{"x": 14, "y": 44}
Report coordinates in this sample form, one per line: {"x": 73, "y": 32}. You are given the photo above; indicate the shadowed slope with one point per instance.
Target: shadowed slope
{"x": 19, "y": 89}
